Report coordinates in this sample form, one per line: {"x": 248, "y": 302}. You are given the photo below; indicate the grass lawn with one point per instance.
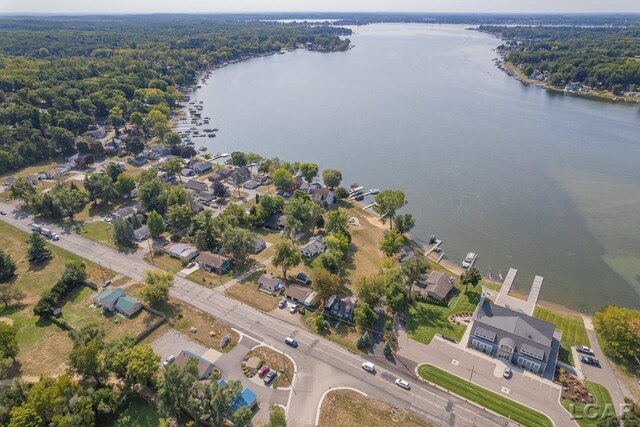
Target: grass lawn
{"x": 494, "y": 402}
{"x": 348, "y": 408}
{"x": 275, "y": 360}
{"x": 572, "y": 327}
{"x": 363, "y": 257}
{"x": 139, "y": 413}
{"x": 43, "y": 345}
{"x": 165, "y": 262}
{"x": 601, "y": 398}
{"x": 345, "y": 334}
{"x": 98, "y": 231}
{"x": 247, "y": 292}
{"x": 425, "y": 320}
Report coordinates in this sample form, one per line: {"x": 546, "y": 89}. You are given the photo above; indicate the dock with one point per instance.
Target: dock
{"x": 353, "y": 196}
{"x": 535, "y": 289}
{"x": 508, "y": 282}
{"x": 440, "y": 257}
{"x": 433, "y": 248}
{"x": 370, "y": 206}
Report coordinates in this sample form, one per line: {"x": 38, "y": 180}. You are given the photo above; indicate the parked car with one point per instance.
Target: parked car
{"x": 169, "y": 360}
{"x": 584, "y": 349}
{"x": 263, "y": 371}
{"x": 108, "y": 219}
{"x": 293, "y": 308}
{"x": 54, "y": 236}
{"x": 588, "y": 360}
{"x": 507, "y": 372}
{"x": 106, "y": 283}
{"x": 302, "y": 278}
{"x": 271, "y": 375}
{"x": 282, "y": 303}
{"x": 291, "y": 342}
{"x": 402, "y": 383}
{"x": 368, "y": 366}
{"x": 191, "y": 264}
{"x": 3, "y": 213}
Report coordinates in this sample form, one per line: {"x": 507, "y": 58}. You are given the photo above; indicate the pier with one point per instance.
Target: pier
{"x": 535, "y": 289}
{"x": 508, "y": 282}
{"x": 370, "y": 206}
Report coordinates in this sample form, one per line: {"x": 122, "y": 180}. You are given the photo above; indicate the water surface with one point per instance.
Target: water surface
{"x": 545, "y": 183}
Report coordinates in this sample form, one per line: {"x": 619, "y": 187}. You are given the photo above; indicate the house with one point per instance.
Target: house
{"x": 251, "y": 185}
{"x": 296, "y": 293}
{"x": 196, "y": 185}
{"x": 187, "y": 172}
{"x": 127, "y": 306}
{"x": 259, "y": 245}
{"x": 113, "y": 146}
{"x": 404, "y": 254}
{"x": 239, "y": 176}
{"x": 276, "y": 221}
{"x": 269, "y": 284}
{"x": 341, "y": 308}
{"x": 181, "y": 251}
{"x": 436, "y": 285}
{"x": 247, "y": 398}
{"x": 205, "y": 368}
{"x": 221, "y": 174}
{"x": 108, "y": 298}
{"x": 34, "y": 178}
{"x": 202, "y": 167}
{"x": 159, "y": 150}
{"x": 97, "y": 134}
{"x": 313, "y": 248}
{"x": 137, "y": 161}
{"x": 142, "y": 233}
{"x": 514, "y": 337}
{"x": 10, "y": 180}
{"x": 324, "y": 196}
{"x": 125, "y": 213}
{"x": 302, "y": 278}
{"x": 167, "y": 177}
{"x": 205, "y": 197}
{"x": 213, "y": 262}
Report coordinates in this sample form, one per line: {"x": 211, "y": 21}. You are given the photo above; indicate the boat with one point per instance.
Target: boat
{"x": 355, "y": 189}
{"x": 469, "y": 260}
{"x": 208, "y": 130}
{"x": 359, "y": 198}
{"x": 198, "y": 123}
{"x": 211, "y": 135}
{"x": 203, "y": 148}
{"x": 374, "y": 191}
{"x": 224, "y": 155}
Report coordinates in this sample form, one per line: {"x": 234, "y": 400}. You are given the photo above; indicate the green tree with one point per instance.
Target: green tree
{"x": 217, "y": 399}
{"x": 286, "y": 256}
{"x": 8, "y": 341}
{"x": 300, "y": 212}
{"x": 155, "y": 224}
{"x": 100, "y": 186}
{"x": 157, "y": 287}
{"x": 116, "y": 119}
{"x": 271, "y": 204}
{"x": 386, "y": 349}
{"x": 180, "y": 216}
{"x": 136, "y": 119}
{"x": 176, "y": 387}
{"x": 619, "y": 329}
{"x": 470, "y": 277}
{"x": 25, "y": 416}
{"x": 391, "y": 242}
{"x": 23, "y": 190}
{"x": 10, "y": 293}
{"x": 332, "y": 178}
{"x": 173, "y": 166}
{"x": 364, "y": 316}
{"x": 325, "y": 283}
{"x": 152, "y": 195}
{"x": 413, "y": 268}
{"x": 277, "y": 417}
{"x": 388, "y": 202}
{"x": 124, "y": 185}
{"x": 114, "y": 170}
{"x": 238, "y": 158}
{"x": 319, "y": 323}
{"x": 173, "y": 138}
{"x": 123, "y": 233}
{"x": 242, "y": 417}
{"x": 87, "y": 360}
{"x": 38, "y": 250}
{"x": 309, "y": 171}
{"x": 7, "y": 266}
{"x": 404, "y": 223}
{"x": 63, "y": 139}
{"x": 371, "y": 289}
{"x": 137, "y": 365}
{"x": 282, "y": 179}
{"x": 238, "y": 243}
{"x": 336, "y": 220}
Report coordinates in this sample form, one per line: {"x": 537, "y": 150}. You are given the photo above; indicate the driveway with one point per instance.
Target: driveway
{"x": 604, "y": 375}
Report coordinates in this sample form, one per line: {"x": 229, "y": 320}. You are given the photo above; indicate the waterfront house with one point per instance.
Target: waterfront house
{"x": 269, "y": 284}
{"x": 202, "y": 167}
{"x": 196, "y": 185}
{"x": 239, "y": 175}
{"x": 314, "y": 247}
{"x": 205, "y": 367}
{"x": 515, "y": 337}
{"x": 211, "y": 262}
{"x": 159, "y": 150}
{"x": 187, "y": 172}
{"x": 324, "y": 196}
{"x": 221, "y": 174}
{"x": 436, "y": 285}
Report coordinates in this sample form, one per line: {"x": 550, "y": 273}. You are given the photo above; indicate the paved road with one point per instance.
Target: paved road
{"x": 321, "y": 364}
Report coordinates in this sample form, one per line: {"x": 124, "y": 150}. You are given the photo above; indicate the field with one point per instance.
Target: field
{"x": 363, "y": 258}
{"x": 601, "y": 399}
{"x": 572, "y": 327}
{"x": 99, "y": 232}
{"x": 247, "y": 292}
{"x": 345, "y": 334}
{"x": 43, "y": 345}
{"x": 494, "y": 402}
{"x": 425, "y": 320}
{"x": 139, "y": 413}
{"x": 278, "y": 362}
{"x": 348, "y": 408}
{"x": 165, "y": 262}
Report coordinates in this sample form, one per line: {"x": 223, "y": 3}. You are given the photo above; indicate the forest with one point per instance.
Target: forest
{"x": 599, "y": 57}
{"x": 58, "y": 76}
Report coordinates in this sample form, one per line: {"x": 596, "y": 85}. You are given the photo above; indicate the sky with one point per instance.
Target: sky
{"x": 217, "y": 6}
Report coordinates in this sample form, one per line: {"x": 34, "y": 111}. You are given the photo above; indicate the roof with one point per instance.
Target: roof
{"x": 125, "y": 212}
{"x": 194, "y": 184}
{"x": 204, "y": 366}
{"x": 299, "y": 293}
{"x": 202, "y": 165}
{"x": 487, "y": 333}
{"x": 269, "y": 282}
{"x": 214, "y": 260}
{"x": 314, "y": 246}
{"x": 251, "y": 184}
{"x": 532, "y": 350}
{"x": 259, "y": 242}
{"x": 180, "y": 249}
{"x": 323, "y": 193}
{"x": 277, "y": 220}
{"x": 224, "y": 172}
{"x": 127, "y": 304}
{"x": 516, "y": 323}
{"x": 110, "y": 296}
{"x": 141, "y": 232}
{"x": 439, "y": 284}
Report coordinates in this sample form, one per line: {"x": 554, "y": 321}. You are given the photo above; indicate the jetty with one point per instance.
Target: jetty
{"x": 353, "y": 196}
{"x": 434, "y": 247}
{"x": 506, "y": 300}
{"x": 370, "y": 206}
{"x": 535, "y": 289}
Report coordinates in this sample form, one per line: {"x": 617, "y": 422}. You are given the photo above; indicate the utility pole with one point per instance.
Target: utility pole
{"x": 471, "y": 375}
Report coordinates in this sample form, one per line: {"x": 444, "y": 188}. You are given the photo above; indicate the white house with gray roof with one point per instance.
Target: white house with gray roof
{"x": 515, "y": 337}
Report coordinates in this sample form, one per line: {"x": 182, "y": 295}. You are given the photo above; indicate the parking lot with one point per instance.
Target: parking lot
{"x": 173, "y": 342}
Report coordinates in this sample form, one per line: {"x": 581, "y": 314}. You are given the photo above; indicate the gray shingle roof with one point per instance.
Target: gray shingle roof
{"x": 516, "y": 323}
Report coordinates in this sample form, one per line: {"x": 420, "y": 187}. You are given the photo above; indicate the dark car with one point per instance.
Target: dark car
{"x": 584, "y": 349}
{"x": 263, "y": 371}
{"x": 588, "y": 360}
{"x": 271, "y": 375}
{"x": 291, "y": 342}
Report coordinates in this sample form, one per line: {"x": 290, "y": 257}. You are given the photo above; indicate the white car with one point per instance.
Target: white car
{"x": 402, "y": 383}
{"x": 293, "y": 309}
{"x": 169, "y": 360}
{"x": 368, "y": 366}
{"x": 54, "y": 236}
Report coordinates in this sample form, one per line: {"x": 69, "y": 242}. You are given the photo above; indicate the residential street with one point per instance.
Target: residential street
{"x": 321, "y": 364}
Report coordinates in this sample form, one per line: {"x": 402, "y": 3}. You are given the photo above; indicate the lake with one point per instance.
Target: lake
{"x": 544, "y": 183}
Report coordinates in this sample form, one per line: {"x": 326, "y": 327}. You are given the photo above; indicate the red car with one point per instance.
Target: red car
{"x": 263, "y": 371}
